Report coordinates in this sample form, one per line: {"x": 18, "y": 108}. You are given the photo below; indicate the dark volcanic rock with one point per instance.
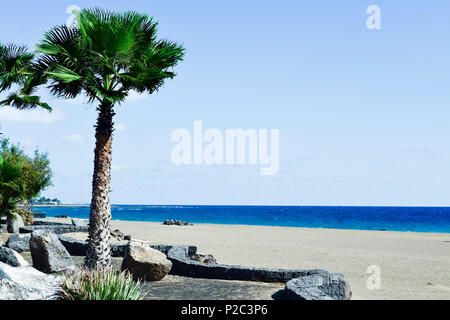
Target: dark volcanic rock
{"x": 145, "y": 263}
{"x": 27, "y": 283}
{"x": 117, "y": 234}
{"x": 80, "y": 222}
{"x": 19, "y": 242}
{"x": 176, "y": 223}
{"x": 118, "y": 250}
{"x": 58, "y": 228}
{"x": 75, "y": 247}
{"x": 319, "y": 287}
{"x": 48, "y": 253}
{"x": 184, "y": 265}
{"x": 11, "y": 257}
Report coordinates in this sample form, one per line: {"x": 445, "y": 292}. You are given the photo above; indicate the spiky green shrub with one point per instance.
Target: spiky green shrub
{"x": 100, "y": 284}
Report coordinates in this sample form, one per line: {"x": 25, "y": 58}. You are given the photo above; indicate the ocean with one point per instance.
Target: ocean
{"x": 419, "y": 219}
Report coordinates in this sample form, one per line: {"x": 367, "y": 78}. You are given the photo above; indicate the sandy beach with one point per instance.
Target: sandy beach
{"x": 413, "y": 265}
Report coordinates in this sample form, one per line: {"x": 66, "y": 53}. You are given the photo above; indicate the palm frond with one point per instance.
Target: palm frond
{"x": 24, "y": 102}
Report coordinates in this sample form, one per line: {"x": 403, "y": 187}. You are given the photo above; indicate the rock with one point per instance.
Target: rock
{"x": 118, "y": 250}
{"x": 145, "y": 263}
{"x": 27, "y": 283}
{"x": 117, "y": 234}
{"x": 127, "y": 237}
{"x": 48, "y": 253}
{"x": 75, "y": 247}
{"x": 80, "y": 222}
{"x": 319, "y": 287}
{"x": 176, "y": 223}
{"x": 3, "y": 228}
{"x": 19, "y": 242}
{"x": 11, "y": 257}
{"x": 13, "y": 226}
{"x": 59, "y": 228}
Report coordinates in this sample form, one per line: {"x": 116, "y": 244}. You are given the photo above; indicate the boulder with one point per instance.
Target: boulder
{"x": 145, "y": 263}
{"x": 19, "y": 242}
{"x": 118, "y": 250}
{"x": 75, "y": 247}
{"x": 3, "y": 228}
{"x": 12, "y": 258}
{"x": 58, "y": 228}
{"x": 330, "y": 286}
{"x": 48, "y": 253}
{"x": 13, "y": 226}
{"x": 169, "y": 222}
{"x": 27, "y": 283}
{"x": 117, "y": 234}
{"x": 80, "y": 222}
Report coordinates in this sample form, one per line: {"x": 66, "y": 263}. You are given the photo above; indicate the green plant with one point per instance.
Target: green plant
{"x": 100, "y": 284}
{"x": 21, "y": 177}
{"x": 17, "y": 68}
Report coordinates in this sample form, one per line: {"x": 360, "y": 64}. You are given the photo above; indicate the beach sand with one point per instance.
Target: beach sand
{"x": 413, "y": 265}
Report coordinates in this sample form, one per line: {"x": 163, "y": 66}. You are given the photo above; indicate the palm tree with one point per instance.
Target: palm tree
{"x": 104, "y": 57}
{"x": 17, "y": 68}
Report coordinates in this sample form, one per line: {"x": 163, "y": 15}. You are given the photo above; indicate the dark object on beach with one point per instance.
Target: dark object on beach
{"x": 176, "y": 223}
{"x": 205, "y": 258}
{"x": 40, "y": 215}
{"x": 318, "y": 287}
{"x": 19, "y": 242}
{"x": 63, "y": 216}
{"x": 127, "y": 237}
{"x": 58, "y": 228}
{"x": 119, "y": 235}
{"x": 75, "y": 247}
{"x": 145, "y": 263}
{"x": 80, "y": 222}
{"x": 48, "y": 253}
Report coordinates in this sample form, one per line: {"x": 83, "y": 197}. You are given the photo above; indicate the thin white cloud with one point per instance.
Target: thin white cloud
{"x": 73, "y": 138}
{"x": 10, "y": 114}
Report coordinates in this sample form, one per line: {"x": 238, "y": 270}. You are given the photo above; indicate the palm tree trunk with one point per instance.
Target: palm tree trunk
{"x": 99, "y": 246}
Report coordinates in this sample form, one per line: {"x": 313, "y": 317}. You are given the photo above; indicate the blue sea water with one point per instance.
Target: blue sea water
{"x": 420, "y": 219}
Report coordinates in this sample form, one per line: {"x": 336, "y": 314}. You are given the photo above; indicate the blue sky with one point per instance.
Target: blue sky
{"x": 364, "y": 115}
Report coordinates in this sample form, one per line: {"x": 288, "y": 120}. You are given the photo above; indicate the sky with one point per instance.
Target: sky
{"x": 363, "y": 115}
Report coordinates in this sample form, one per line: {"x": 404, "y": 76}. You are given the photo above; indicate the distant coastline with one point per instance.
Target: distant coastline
{"x": 62, "y": 205}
